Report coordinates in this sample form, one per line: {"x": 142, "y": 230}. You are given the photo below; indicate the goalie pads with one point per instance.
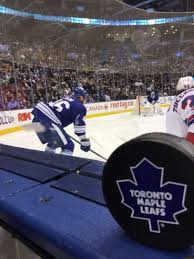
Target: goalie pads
{"x": 158, "y": 109}
{"x": 148, "y": 109}
{"x": 151, "y": 109}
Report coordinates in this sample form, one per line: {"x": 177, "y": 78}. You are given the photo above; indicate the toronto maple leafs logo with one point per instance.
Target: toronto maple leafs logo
{"x": 150, "y": 198}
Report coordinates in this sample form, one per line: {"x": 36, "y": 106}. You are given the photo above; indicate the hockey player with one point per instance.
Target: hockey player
{"x": 152, "y": 104}
{"x": 54, "y": 116}
{"x": 180, "y": 116}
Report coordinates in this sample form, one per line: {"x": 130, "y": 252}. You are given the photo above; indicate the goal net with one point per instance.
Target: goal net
{"x": 139, "y": 105}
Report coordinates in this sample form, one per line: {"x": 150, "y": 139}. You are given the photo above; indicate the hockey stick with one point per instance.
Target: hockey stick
{"x": 94, "y": 152}
{"x": 39, "y": 128}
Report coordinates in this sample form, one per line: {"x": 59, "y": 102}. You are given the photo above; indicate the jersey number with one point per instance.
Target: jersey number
{"x": 188, "y": 102}
{"x": 59, "y": 105}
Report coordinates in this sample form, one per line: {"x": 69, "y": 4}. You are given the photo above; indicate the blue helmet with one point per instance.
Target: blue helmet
{"x": 79, "y": 91}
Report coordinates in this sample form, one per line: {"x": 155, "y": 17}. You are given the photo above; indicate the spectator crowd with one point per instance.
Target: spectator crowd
{"x": 23, "y": 86}
{"x": 108, "y": 72}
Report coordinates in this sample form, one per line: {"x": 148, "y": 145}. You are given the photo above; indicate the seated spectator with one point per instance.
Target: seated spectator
{"x": 12, "y": 104}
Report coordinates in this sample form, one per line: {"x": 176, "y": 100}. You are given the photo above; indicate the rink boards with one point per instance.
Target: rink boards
{"x": 55, "y": 206}
{"x": 12, "y": 121}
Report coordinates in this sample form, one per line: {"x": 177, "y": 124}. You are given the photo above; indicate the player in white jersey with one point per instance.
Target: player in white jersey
{"x": 180, "y": 116}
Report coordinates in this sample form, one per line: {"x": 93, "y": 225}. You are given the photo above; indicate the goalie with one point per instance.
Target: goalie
{"x": 152, "y": 105}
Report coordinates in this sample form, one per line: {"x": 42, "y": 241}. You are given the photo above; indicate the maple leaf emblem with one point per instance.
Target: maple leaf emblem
{"x": 150, "y": 198}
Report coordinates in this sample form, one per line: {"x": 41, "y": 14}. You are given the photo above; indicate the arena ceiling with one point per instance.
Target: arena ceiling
{"x": 163, "y": 5}
{"x": 85, "y": 46}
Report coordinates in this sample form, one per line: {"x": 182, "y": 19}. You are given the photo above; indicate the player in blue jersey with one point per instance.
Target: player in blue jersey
{"x": 55, "y": 116}
{"x": 153, "y": 98}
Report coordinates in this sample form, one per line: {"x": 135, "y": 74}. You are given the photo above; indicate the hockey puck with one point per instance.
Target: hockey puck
{"x": 148, "y": 186}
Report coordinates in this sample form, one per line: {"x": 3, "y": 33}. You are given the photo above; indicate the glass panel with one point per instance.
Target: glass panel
{"x": 114, "y": 51}
{"x": 9, "y": 86}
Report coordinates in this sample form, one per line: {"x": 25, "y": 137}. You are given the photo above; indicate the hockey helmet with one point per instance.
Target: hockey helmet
{"x": 79, "y": 91}
{"x": 185, "y": 83}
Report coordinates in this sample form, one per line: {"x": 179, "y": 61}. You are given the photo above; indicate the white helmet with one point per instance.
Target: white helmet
{"x": 185, "y": 83}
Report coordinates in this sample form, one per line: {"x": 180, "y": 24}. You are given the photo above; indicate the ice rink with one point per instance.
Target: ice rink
{"x": 106, "y": 133}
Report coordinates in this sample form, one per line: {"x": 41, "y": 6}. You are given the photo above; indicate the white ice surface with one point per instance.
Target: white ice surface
{"x": 106, "y": 133}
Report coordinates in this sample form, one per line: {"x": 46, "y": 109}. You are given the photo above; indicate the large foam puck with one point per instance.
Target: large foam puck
{"x": 148, "y": 185}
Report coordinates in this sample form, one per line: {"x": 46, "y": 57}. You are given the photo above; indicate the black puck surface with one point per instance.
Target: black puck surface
{"x": 148, "y": 185}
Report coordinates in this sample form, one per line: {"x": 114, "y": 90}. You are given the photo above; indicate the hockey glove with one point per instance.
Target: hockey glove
{"x": 85, "y": 144}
